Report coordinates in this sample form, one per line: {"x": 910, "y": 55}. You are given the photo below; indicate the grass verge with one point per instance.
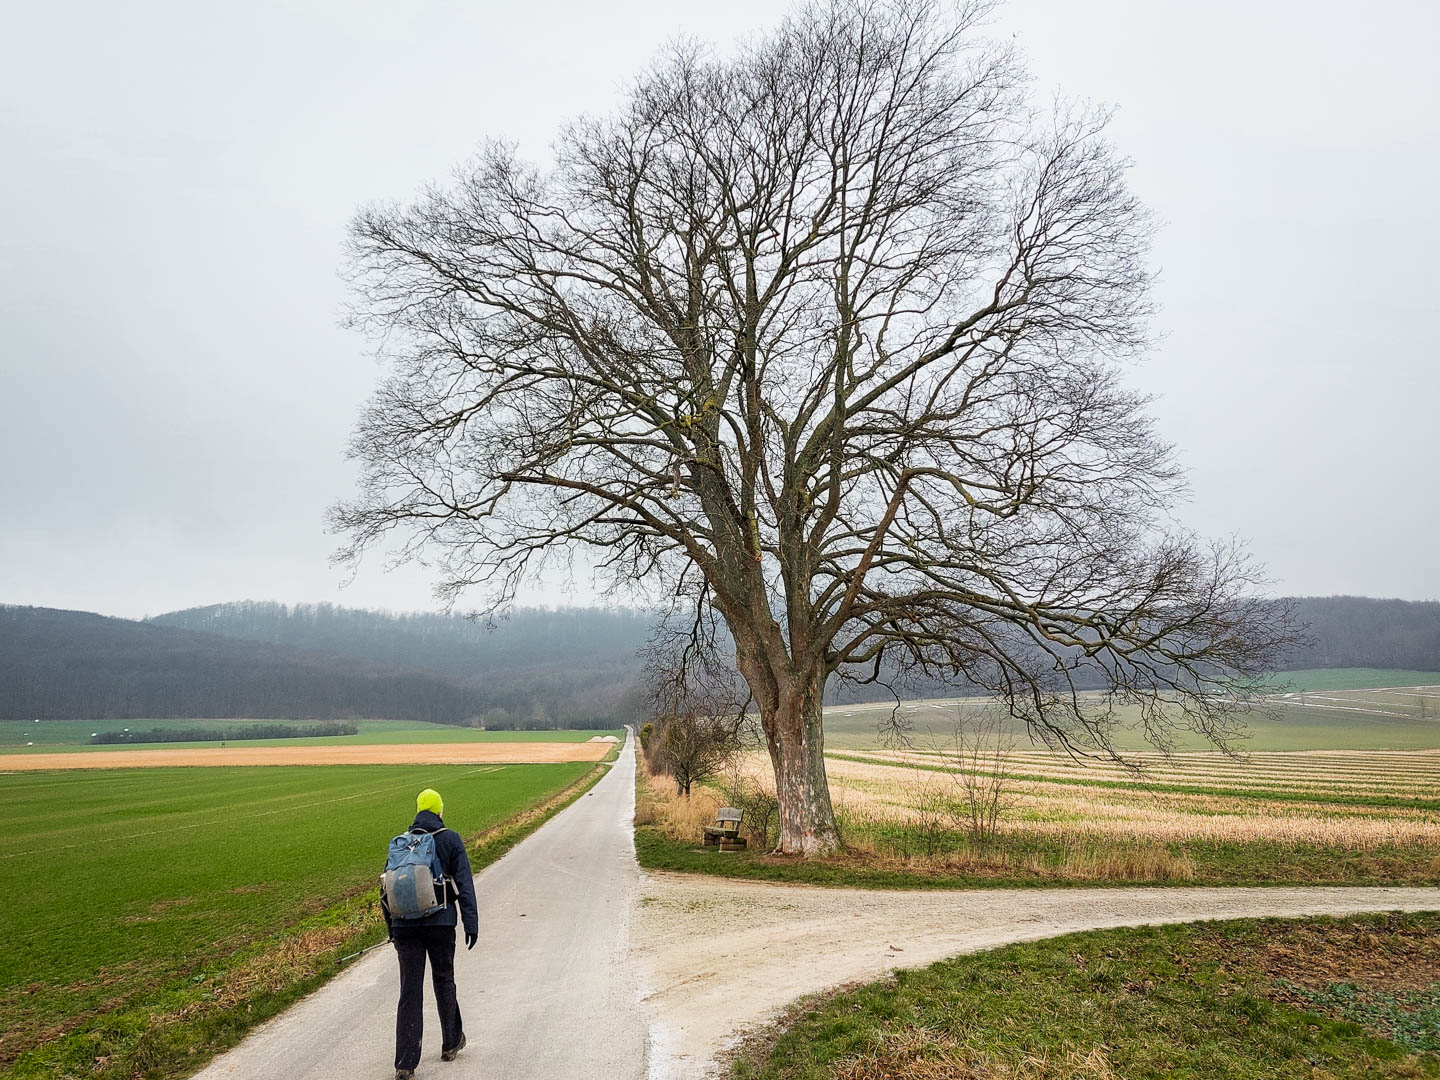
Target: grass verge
{"x": 1319, "y": 999}
{"x": 171, "y": 1027}
{"x": 1052, "y": 862}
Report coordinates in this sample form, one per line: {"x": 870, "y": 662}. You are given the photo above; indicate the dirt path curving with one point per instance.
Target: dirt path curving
{"x": 719, "y": 958}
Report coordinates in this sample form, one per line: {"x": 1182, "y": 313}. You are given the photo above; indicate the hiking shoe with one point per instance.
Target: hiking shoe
{"x": 449, "y": 1055}
{"x": 404, "y": 1074}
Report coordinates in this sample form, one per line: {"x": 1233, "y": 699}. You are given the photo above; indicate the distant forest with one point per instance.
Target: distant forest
{"x": 1356, "y": 631}
{"x": 58, "y": 665}
{"x": 535, "y": 669}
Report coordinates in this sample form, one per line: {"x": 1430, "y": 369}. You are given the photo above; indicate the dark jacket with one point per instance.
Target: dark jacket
{"x": 460, "y": 887}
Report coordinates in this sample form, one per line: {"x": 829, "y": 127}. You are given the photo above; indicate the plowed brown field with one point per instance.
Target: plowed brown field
{"x": 477, "y": 753}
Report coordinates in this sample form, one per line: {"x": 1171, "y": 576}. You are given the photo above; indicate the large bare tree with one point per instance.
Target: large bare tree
{"x": 822, "y": 336}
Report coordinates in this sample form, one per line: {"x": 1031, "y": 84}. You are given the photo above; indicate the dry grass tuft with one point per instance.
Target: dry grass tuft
{"x": 292, "y": 960}
{"x": 1082, "y": 858}
{"x": 647, "y": 811}
{"x": 1128, "y": 863}
{"x": 680, "y": 818}
{"x": 684, "y": 819}
{"x": 928, "y": 1055}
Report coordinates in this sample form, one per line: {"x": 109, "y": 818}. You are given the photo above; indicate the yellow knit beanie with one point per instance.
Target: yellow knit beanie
{"x": 429, "y": 799}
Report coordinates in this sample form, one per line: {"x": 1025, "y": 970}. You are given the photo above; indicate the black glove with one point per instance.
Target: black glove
{"x": 470, "y": 938}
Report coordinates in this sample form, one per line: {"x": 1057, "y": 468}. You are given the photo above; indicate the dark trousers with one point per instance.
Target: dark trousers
{"x": 413, "y": 945}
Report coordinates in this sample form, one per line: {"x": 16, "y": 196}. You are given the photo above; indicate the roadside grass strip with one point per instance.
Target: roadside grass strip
{"x": 155, "y": 915}
{"x": 1298, "y": 999}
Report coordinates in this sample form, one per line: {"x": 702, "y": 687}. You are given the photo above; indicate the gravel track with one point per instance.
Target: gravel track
{"x": 720, "y": 958}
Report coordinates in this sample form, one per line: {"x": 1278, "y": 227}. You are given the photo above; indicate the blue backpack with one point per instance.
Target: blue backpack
{"x": 413, "y": 885}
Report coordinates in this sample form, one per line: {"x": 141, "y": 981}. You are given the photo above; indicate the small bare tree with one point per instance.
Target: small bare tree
{"x": 692, "y": 746}
{"x": 978, "y": 755}
{"x": 700, "y": 715}
{"x": 972, "y": 786}
{"x": 822, "y": 336}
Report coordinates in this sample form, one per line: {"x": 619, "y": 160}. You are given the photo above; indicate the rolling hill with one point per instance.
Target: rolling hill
{"x": 537, "y": 668}
{"x": 71, "y": 664}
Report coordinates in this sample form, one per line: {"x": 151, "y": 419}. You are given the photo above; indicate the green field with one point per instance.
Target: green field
{"x": 1316, "y": 999}
{"x": 1354, "y": 678}
{"x": 1327, "y": 709}
{"x": 49, "y": 736}
{"x": 131, "y": 892}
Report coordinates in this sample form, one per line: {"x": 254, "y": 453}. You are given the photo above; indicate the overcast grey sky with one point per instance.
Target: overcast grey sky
{"x": 175, "y": 391}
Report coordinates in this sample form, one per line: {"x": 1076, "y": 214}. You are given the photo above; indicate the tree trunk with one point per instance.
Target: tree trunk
{"x": 797, "y": 752}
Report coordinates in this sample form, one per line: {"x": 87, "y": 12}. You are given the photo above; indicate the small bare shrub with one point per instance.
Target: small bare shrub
{"x": 969, "y": 792}
{"x": 754, "y": 798}
{"x": 977, "y": 756}
{"x": 937, "y": 810}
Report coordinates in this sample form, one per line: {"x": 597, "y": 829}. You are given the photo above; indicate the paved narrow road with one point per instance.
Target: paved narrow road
{"x": 545, "y": 993}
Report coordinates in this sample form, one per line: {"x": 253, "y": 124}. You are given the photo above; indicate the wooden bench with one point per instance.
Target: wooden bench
{"x": 725, "y": 833}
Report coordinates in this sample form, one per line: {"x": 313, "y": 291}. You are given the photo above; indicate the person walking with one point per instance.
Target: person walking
{"x": 432, "y": 936}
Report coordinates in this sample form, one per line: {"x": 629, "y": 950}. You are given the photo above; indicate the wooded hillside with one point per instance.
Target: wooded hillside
{"x": 568, "y": 668}
{"x": 72, "y": 664}
{"x": 553, "y": 668}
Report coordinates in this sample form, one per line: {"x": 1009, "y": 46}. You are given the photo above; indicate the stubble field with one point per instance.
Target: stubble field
{"x": 1358, "y": 800}
{"x": 1004, "y": 810}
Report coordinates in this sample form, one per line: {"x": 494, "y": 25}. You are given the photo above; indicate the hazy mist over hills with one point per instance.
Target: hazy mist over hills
{"x": 545, "y": 672}
{"x": 537, "y": 668}
{"x": 72, "y": 664}
{"x": 452, "y": 644}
